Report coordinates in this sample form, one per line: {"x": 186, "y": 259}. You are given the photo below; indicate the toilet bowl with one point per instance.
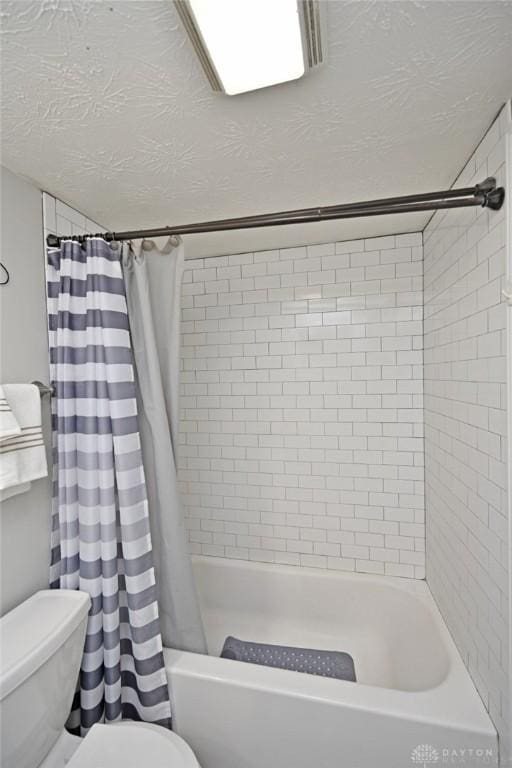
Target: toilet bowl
{"x": 42, "y": 642}
{"x": 132, "y": 745}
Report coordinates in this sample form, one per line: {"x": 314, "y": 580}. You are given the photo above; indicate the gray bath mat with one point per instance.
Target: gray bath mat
{"x": 325, "y": 663}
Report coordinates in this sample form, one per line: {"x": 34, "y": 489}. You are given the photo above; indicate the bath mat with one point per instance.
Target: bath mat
{"x": 324, "y": 663}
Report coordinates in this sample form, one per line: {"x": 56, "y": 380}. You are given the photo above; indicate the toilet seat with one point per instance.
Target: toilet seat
{"x": 132, "y": 745}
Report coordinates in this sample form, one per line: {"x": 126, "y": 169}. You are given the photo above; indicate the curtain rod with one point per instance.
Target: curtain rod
{"x": 486, "y": 195}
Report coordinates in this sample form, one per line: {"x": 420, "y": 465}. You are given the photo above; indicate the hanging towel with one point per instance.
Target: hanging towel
{"x": 9, "y": 427}
{"x": 23, "y": 456}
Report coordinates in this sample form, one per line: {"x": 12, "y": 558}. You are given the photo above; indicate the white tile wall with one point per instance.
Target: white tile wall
{"x": 60, "y": 219}
{"x": 468, "y": 534}
{"x": 301, "y": 406}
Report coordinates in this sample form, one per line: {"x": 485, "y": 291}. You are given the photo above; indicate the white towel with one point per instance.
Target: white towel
{"x": 22, "y": 457}
{"x": 9, "y": 427}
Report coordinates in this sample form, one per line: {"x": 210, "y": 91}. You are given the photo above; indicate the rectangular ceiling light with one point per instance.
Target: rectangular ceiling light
{"x": 244, "y": 45}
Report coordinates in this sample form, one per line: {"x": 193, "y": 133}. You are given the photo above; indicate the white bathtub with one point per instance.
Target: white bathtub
{"x": 413, "y": 689}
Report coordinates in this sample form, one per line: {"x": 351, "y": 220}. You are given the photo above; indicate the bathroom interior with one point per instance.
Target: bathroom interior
{"x": 256, "y": 383}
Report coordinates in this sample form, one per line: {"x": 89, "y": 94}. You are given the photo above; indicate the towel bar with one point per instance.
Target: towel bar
{"x": 43, "y": 388}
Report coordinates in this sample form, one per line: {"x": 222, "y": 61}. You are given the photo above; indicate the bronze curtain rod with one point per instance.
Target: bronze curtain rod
{"x": 486, "y": 195}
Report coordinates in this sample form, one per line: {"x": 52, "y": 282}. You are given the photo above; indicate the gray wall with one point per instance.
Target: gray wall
{"x": 24, "y": 519}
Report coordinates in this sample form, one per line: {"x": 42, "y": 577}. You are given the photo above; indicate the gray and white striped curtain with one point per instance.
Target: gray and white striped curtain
{"x": 101, "y": 540}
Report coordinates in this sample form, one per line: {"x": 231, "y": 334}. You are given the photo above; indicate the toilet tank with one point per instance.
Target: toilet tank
{"x": 41, "y": 645}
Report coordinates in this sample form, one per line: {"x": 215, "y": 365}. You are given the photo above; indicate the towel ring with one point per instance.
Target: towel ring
{"x": 6, "y": 273}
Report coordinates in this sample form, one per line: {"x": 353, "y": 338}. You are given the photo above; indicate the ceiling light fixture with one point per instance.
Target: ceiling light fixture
{"x": 244, "y": 45}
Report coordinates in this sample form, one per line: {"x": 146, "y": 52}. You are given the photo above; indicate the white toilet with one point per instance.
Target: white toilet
{"x": 41, "y": 643}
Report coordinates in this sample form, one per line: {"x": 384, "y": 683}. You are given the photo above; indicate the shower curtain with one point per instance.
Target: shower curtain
{"x": 101, "y": 540}
{"x": 153, "y": 287}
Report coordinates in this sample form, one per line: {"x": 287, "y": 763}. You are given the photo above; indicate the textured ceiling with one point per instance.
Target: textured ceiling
{"x": 105, "y": 106}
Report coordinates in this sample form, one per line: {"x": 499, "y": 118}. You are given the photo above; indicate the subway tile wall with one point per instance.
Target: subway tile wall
{"x": 468, "y": 534}
{"x": 60, "y": 219}
{"x": 301, "y": 431}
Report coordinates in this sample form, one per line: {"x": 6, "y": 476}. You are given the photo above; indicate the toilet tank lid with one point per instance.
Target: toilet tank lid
{"x": 34, "y": 630}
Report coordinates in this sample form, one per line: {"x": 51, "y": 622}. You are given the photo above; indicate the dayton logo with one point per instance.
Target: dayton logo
{"x": 424, "y": 754}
